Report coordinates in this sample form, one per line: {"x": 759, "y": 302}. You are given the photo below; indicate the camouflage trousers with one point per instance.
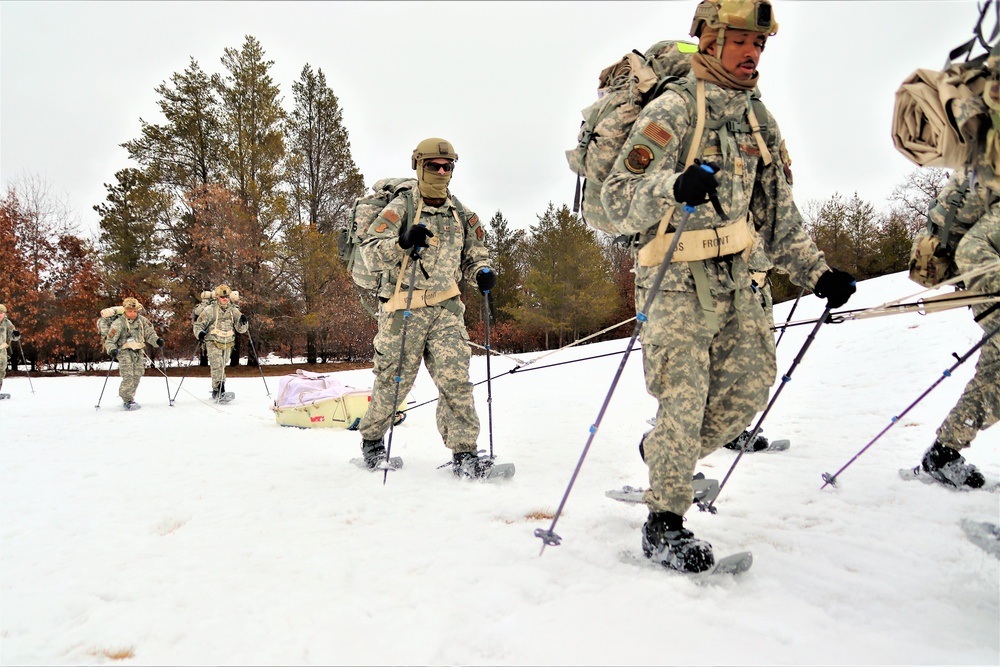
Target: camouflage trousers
{"x": 709, "y": 384}
{"x": 438, "y": 337}
{"x": 218, "y": 357}
{"x": 131, "y": 366}
{"x": 979, "y": 406}
{"x": 3, "y": 366}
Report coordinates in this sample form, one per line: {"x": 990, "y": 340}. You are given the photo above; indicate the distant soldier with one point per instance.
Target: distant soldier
{"x": 450, "y": 239}
{"x": 708, "y": 349}
{"x": 126, "y": 343}
{"x": 217, "y": 326}
{"x": 8, "y": 334}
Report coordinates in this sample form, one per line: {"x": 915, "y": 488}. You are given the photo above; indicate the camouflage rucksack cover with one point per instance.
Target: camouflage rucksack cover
{"x": 624, "y": 88}
{"x": 108, "y": 315}
{"x": 363, "y": 213}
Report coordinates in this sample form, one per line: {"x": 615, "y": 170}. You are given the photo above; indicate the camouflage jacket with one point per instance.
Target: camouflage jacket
{"x": 6, "y": 333}
{"x": 221, "y": 323}
{"x": 123, "y": 331}
{"x": 639, "y": 192}
{"x": 456, "y": 250}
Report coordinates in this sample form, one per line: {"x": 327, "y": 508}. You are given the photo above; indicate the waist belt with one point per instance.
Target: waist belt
{"x": 4, "y": 346}
{"x": 421, "y": 298}
{"x": 699, "y": 244}
{"x": 134, "y": 345}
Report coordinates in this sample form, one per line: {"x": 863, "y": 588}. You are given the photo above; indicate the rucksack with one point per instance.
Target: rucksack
{"x": 624, "y": 89}
{"x": 363, "y": 214}
{"x": 955, "y": 210}
{"x": 108, "y": 315}
{"x": 207, "y": 299}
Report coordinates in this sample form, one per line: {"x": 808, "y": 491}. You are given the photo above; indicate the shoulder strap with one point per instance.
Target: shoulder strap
{"x": 755, "y": 127}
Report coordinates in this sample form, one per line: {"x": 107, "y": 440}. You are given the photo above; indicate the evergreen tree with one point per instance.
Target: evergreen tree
{"x": 133, "y": 219}
{"x": 567, "y": 286}
{"x": 325, "y": 180}
{"x": 506, "y": 247}
{"x": 185, "y": 152}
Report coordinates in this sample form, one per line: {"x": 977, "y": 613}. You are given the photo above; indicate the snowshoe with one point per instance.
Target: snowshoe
{"x": 705, "y": 491}
{"x": 131, "y": 405}
{"x": 226, "y": 396}
{"x": 667, "y": 542}
{"x": 760, "y": 444}
{"x": 472, "y": 465}
{"x": 947, "y": 466}
{"x": 378, "y": 463}
{"x": 983, "y": 534}
{"x": 4, "y": 397}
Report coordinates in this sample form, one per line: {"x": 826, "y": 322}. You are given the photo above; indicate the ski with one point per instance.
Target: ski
{"x": 983, "y": 534}
{"x": 394, "y": 463}
{"x": 919, "y": 474}
{"x": 705, "y": 491}
{"x": 732, "y": 564}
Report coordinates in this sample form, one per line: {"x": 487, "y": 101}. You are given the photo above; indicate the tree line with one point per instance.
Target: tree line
{"x": 232, "y": 188}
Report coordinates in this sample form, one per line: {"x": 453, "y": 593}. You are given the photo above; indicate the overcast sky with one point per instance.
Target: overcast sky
{"x": 503, "y": 81}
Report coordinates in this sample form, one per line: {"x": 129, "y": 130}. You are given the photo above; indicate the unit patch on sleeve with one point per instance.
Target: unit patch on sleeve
{"x": 479, "y": 233}
{"x": 657, "y": 134}
{"x": 639, "y": 158}
{"x": 381, "y": 227}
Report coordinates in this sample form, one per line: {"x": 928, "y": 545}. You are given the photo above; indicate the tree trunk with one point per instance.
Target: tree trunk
{"x": 311, "y": 347}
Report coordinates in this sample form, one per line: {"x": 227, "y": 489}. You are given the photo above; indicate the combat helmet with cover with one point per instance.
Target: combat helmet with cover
{"x": 628, "y": 85}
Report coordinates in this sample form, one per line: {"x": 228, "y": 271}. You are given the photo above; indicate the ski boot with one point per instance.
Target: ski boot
{"x": 215, "y": 394}
{"x": 947, "y": 466}
{"x": 373, "y": 452}
{"x": 667, "y": 542}
{"x": 739, "y": 443}
{"x": 469, "y": 465}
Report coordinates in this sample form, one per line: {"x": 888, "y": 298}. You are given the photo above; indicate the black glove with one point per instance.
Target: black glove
{"x": 243, "y": 320}
{"x": 16, "y": 335}
{"x": 114, "y": 354}
{"x": 159, "y": 342}
{"x": 694, "y": 186}
{"x": 202, "y": 334}
{"x": 836, "y": 287}
{"x": 415, "y": 236}
{"x": 486, "y": 280}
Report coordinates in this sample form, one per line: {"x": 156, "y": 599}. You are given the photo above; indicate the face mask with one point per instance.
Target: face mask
{"x": 433, "y": 184}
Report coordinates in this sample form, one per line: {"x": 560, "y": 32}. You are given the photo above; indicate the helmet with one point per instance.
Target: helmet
{"x": 432, "y": 148}
{"x": 132, "y": 302}
{"x": 222, "y": 290}
{"x": 752, "y": 15}
{"x": 3, "y": 308}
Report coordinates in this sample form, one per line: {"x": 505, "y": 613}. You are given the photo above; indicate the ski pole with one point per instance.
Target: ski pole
{"x": 163, "y": 363}
{"x": 398, "y": 378}
{"x": 832, "y": 479}
{"x": 789, "y": 318}
{"x": 163, "y": 372}
{"x": 785, "y": 379}
{"x": 26, "y": 367}
{"x": 266, "y": 388}
{"x": 101, "y": 397}
{"x": 193, "y": 355}
{"x": 549, "y": 537}
{"x": 489, "y": 383}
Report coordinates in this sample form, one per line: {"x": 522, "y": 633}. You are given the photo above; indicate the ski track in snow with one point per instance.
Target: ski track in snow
{"x": 204, "y": 534}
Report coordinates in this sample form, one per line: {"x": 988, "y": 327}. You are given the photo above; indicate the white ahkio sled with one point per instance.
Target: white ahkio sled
{"x": 319, "y": 400}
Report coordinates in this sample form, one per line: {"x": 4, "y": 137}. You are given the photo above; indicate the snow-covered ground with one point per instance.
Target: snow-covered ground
{"x": 202, "y": 534}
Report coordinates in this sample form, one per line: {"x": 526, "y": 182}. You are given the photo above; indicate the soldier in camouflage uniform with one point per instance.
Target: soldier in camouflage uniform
{"x": 125, "y": 342}
{"x": 8, "y": 334}
{"x": 217, "y": 327}
{"x": 979, "y": 406}
{"x": 450, "y": 241}
{"x": 708, "y": 349}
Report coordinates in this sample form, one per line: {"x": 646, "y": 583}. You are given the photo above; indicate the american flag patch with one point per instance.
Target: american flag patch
{"x": 473, "y": 220}
{"x": 391, "y": 216}
{"x": 657, "y": 134}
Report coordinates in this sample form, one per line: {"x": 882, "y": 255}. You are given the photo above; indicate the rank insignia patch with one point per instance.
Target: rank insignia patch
{"x": 657, "y": 134}
{"x": 638, "y": 159}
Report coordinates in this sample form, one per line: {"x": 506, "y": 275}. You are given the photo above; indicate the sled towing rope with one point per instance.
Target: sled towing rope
{"x": 549, "y": 537}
